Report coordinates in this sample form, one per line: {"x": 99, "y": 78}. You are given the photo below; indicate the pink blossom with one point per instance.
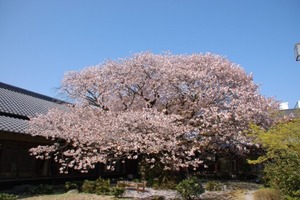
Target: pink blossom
{"x": 179, "y": 108}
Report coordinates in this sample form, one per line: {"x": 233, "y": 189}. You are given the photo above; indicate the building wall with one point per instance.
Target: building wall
{"x": 17, "y": 166}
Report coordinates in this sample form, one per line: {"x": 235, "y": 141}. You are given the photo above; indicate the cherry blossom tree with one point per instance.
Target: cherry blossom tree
{"x": 173, "y": 109}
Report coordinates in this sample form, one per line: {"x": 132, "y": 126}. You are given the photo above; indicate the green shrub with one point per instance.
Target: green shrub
{"x": 5, "y": 196}
{"x": 42, "y": 189}
{"x": 213, "y": 186}
{"x": 267, "y": 194}
{"x": 190, "y": 188}
{"x": 102, "y": 186}
{"x": 88, "y": 186}
{"x": 99, "y": 186}
{"x": 284, "y": 175}
{"x": 71, "y": 185}
{"x": 282, "y": 157}
{"x": 117, "y": 191}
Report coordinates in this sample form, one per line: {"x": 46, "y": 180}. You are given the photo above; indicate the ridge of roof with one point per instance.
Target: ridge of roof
{"x": 30, "y": 93}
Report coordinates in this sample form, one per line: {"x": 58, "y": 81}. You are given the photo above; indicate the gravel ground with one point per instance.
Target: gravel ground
{"x": 233, "y": 191}
{"x": 168, "y": 194}
{"x": 249, "y": 195}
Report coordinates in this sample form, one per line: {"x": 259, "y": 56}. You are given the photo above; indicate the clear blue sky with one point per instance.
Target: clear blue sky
{"x": 42, "y": 39}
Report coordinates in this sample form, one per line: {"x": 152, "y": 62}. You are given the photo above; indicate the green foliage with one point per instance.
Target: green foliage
{"x": 190, "y": 188}
{"x": 284, "y": 174}
{"x": 279, "y": 140}
{"x": 117, "y": 191}
{"x": 282, "y": 158}
{"x": 267, "y": 194}
{"x": 42, "y": 189}
{"x": 71, "y": 185}
{"x": 5, "y": 196}
{"x": 102, "y": 187}
{"x": 88, "y": 186}
{"x": 213, "y": 186}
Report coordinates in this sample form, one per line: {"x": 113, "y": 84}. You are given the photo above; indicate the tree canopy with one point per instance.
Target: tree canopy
{"x": 282, "y": 158}
{"x": 173, "y": 109}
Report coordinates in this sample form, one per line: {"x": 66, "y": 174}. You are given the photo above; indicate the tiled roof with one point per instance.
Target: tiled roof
{"x": 17, "y": 105}
{"x": 14, "y": 125}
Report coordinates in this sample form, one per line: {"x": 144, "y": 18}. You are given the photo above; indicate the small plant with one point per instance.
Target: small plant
{"x": 42, "y": 189}
{"x": 102, "y": 186}
{"x": 213, "y": 186}
{"x": 190, "y": 188}
{"x": 268, "y": 194}
{"x": 71, "y": 185}
{"x": 88, "y": 186}
{"x": 5, "y": 196}
{"x": 99, "y": 186}
{"x": 117, "y": 191}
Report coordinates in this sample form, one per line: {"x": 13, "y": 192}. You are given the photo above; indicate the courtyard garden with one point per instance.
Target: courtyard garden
{"x": 104, "y": 189}
{"x": 176, "y": 115}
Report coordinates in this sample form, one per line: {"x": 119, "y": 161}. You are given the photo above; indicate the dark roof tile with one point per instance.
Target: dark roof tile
{"x": 17, "y": 101}
{"x": 13, "y": 125}
{"x": 18, "y": 105}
